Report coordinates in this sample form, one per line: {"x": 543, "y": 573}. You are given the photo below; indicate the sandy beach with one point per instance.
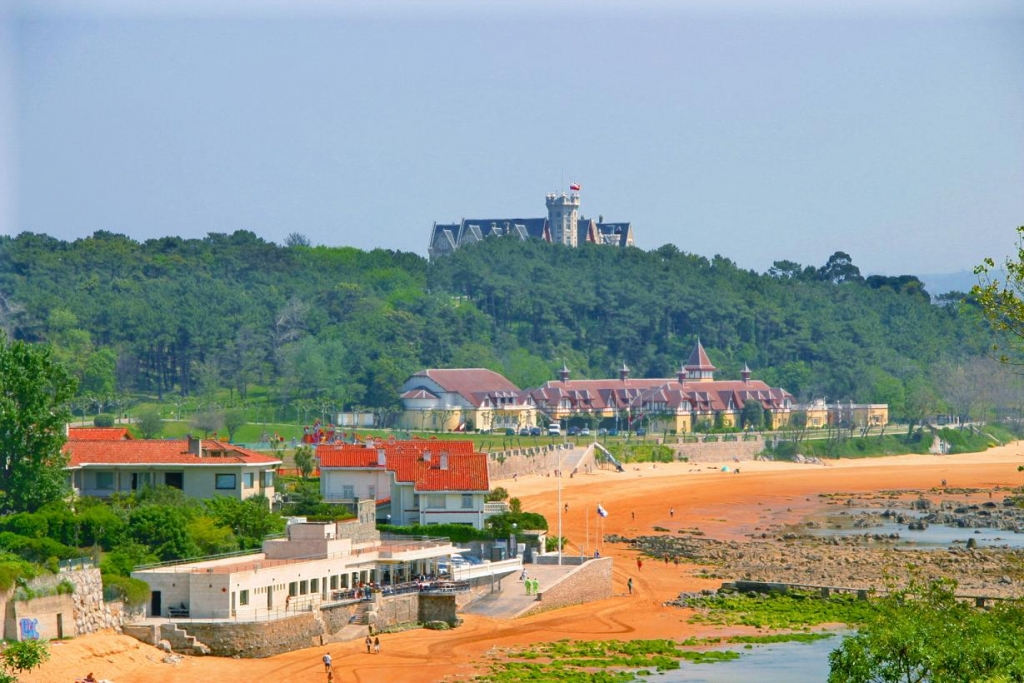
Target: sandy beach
{"x": 672, "y": 496}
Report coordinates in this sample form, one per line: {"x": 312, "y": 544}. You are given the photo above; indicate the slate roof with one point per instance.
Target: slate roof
{"x": 161, "y": 452}
{"x": 476, "y": 385}
{"x": 619, "y": 234}
{"x": 699, "y": 360}
{"x": 99, "y": 433}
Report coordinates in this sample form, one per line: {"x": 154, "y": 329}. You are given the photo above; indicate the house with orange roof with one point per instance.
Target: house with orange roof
{"x": 99, "y": 433}
{"x": 202, "y": 468}
{"x": 414, "y": 482}
{"x": 464, "y": 399}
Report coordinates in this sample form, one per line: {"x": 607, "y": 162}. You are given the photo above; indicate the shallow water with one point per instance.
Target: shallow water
{"x": 935, "y": 536}
{"x": 779, "y": 662}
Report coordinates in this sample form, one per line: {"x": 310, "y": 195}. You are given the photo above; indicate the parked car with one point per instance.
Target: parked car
{"x": 573, "y": 431}
{"x": 524, "y": 431}
{"x": 585, "y": 431}
{"x": 613, "y": 432}
{"x": 602, "y": 432}
{"x": 509, "y": 431}
{"x": 534, "y": 431}
{"x": 554, "y": 429}
{"x": 641, "y": 431}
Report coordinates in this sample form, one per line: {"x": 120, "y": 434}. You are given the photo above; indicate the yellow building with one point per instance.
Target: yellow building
{"x": 464, "y": 399}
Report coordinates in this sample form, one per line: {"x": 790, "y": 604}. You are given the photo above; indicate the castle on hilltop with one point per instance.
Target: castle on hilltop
{"x": 563, "y": 225}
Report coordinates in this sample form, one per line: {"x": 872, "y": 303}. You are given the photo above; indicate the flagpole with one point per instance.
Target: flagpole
{"x": 559, "y": 513}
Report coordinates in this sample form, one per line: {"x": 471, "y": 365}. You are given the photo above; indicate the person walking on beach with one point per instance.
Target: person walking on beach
{"x": 629, "y": 585}
{"x": 639, "y": 564}
{"x": 671, "y": 512}
{"x": 369, "y": 644}
{"x": 327, "y": 662}
{"x": 376, "y": 645}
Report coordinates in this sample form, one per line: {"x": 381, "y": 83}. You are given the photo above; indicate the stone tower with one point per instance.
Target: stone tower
{"x": 563, "y": 213}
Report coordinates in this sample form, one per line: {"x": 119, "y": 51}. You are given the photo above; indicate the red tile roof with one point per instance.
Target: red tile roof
{"x": 465, "y": 471}
{"x": 99, "y": 433}
{"x": 161, "y": 452}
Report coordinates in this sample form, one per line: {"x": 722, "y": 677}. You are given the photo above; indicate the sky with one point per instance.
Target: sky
{"x": 760, "y": 131}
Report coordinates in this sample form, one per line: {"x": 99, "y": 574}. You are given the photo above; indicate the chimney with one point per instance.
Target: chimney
{"x": 682, "y": 374}
{"x": 444, "y": 460}
{"x": 623, "y": 372}
{"x": 382, "y": 458}
{"x": 195, "y": 446}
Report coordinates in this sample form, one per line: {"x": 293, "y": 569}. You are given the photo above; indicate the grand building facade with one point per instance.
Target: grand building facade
{"x": 453, "y": 400}
{"x": 562, "y": 225}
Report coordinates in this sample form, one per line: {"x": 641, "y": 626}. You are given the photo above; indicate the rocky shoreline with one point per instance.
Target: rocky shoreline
{"x": 859, "y": 561}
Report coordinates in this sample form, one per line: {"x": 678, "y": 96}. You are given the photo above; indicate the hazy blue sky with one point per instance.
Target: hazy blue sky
{"x": 761, "y": 131}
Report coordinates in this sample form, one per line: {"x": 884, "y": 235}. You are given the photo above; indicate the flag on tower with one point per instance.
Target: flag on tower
{"x": 575, "y": 187}
{"x": 601, "y": 511}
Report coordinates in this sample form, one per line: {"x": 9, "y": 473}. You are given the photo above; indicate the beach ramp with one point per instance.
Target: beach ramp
{"x": 609, "y": 457}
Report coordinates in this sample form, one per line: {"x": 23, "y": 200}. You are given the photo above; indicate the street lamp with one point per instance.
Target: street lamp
{"x": 512, "y": 541}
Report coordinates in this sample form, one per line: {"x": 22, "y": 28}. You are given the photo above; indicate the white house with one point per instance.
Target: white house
{"x": 422, "y": 481}
{"x": 200, "y": 468}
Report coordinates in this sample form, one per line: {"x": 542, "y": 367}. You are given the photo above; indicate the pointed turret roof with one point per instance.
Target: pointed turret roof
{"x": 699, "y": 359}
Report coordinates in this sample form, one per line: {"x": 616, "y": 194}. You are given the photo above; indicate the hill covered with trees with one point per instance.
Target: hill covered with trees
{"x": 174, "y": 317}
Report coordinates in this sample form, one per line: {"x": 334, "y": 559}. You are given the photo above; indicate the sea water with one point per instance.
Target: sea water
{"x": 935, "y": 536}
{"x": 792, "y": 662}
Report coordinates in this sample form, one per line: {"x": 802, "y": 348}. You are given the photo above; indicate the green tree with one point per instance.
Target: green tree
{"x": 149, "y": 422}
{"x": 208, "y": 421}
{"x": 305, "y": 460}
{"x": 211, "y": 537}
{"x": 234, "y": 418}
{"x": 752, "y": 415}
{"x": 164, "y": 529}
{"x": 21, "y": 657}
{"x": 34, "y": 396}
{"x": 251, "y": 519}
{"x": 926, "y": 634}
{"x": 1002, "y": 300}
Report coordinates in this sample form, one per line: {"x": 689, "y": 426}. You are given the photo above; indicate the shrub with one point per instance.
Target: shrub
{"x": 104, "y": 420}
{"x": 133, "y": 592}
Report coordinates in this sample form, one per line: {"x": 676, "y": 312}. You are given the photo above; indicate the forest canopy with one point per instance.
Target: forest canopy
{"x": 185, "y": 317}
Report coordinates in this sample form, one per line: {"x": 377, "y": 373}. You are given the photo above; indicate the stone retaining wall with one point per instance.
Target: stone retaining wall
{"x": 258, "y": 639}
{"x": 537, "y": 460}
{"x": 81, "y": 612}
{"x": 718, "y": 451}
{"x": 589, "y": 582}
{"x": 308, "y": 629}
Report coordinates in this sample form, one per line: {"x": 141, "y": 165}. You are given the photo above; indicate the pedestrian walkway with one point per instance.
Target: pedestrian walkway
{"x": 510, "y": 600}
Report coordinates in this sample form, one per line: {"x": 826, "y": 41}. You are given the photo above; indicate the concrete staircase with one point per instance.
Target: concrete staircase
{"x": 181, "y": 641}
{"x": 361, "y": 616}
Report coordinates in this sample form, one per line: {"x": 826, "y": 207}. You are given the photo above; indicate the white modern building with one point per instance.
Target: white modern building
{"x": 316, "y": 564}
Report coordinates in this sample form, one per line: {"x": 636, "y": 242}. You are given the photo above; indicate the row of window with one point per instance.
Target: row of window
{"x": 435, "y": 501}
{"x": 224, "y": 482}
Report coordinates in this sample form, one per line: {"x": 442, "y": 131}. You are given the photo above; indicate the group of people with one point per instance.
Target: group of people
{"x": 532, "y": 586}
{"x": 372, "y": 646}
